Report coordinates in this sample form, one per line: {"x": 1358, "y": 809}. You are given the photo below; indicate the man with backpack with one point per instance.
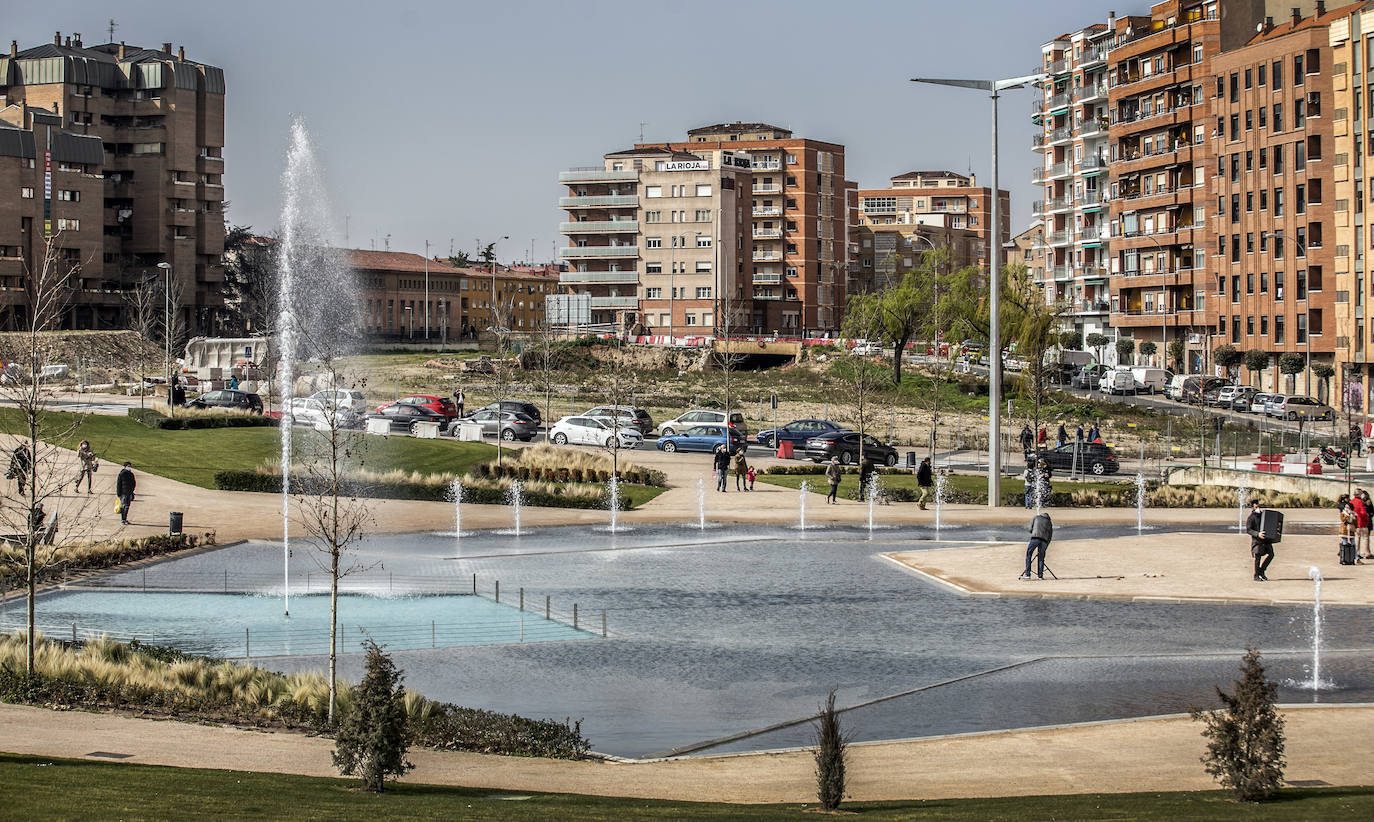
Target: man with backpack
{"x": 1041, "y": 533}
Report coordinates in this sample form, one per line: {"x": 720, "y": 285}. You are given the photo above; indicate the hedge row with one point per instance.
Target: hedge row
{"x": 158, "y": 420}
{"x": 635, "y": 476}
{"x": 432, "y": 492}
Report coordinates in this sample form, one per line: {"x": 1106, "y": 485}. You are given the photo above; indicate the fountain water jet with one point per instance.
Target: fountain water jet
{"x": 872, "y": 500}
{"x": 805, "y": 491}
{"x": 940, "y": 482}
{"x": 1139, "y": 502}
{"x": 701, "y": 502}
{"x": 456, "y": 492}
{"x": 613, "y": 501}
{"x": 1242, "y": 500}
{"x": 1315, "y": 574}
{"x": 517, "y": 499}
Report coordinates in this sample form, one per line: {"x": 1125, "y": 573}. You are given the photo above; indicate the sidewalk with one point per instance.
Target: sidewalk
{"x": 1325, "y": 745}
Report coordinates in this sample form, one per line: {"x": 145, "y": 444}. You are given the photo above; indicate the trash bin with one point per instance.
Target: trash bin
{"x": 784, "y": 449}
{"x": 911, "y": 459}
{"x": 174, "y": 523}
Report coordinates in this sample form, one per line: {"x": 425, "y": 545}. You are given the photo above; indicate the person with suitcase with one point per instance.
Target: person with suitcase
{"x": 1345, "y": 512}
{"x": 1261, "y": 540}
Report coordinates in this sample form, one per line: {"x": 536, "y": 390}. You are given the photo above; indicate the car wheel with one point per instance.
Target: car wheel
{"x": 1099, "y": 468}
{"x": 670, "y": 446}
{"x": 666, "y": 432}
{"x": 414, "y": 428}
{"x": 560, "y": 438}
{"x": 891, "y": 459}
{"x": 845, "y": 459}
{"x": 508, "y": 435}
{"x": 1292, "y": 416}
{"x": 609, "y": 443}
{"x": 773, "y": 443}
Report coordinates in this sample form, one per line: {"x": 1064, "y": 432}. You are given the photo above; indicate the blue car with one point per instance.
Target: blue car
{"x": 701, "y": 438}
{"x": 797, "y": 431}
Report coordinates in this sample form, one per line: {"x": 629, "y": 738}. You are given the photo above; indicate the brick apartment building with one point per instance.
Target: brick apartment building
{"x": 403, "y": 296}
{"x": 153, "y": 195}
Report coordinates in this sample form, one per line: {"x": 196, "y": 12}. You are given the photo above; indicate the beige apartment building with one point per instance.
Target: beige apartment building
{"x": 160, "y": 120}
{"x": 937, "y": 198}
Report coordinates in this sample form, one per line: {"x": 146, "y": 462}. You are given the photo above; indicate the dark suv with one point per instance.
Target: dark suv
{"x": 517, "y": 407}
{"x": 1093, "y": 457}
{"x": 227, "y": 398}
{"x": 845, "y": 445}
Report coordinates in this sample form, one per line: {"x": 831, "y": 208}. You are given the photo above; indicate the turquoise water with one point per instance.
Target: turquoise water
{"x": 237, "y": 625}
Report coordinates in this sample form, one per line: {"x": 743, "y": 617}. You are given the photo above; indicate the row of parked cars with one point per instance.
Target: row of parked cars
{"x": 1214, "y": 392}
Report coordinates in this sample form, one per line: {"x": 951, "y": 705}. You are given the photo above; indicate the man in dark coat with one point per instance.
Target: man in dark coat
{"x": 866, "y": 470}
{"x": 1261, "y": 542}
{"x": 925, "y": 480}
{"x": 721, "y": 464}
{"x": 124, "y": 489}
{"x": 1027, "y": 442}
{"x": 1041, "y": 533}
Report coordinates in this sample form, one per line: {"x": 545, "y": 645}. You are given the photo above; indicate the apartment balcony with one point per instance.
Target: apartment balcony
{"x": 767, "y": 256}
{"x": 1039, "y": 175}
{"x": 766, "y": 296}
{"x": 1091, "y": 93}
{"x": 1064, "y": 134}
{"x": 767, "y": 278}
{"x": 1058, "y": 204}
{"x": 1058, "y": 238}
{"x": 1091, "y": 197}
{"x": 1038, "y": 142}
{"x": 1093, "y": 55}
{"x": 599, "y": 277}
{"x": 1092, "y": 164}
{"x": 767, "y": 211}
{"x": 600, "y": 227}
{"x": 767, "y": 189}
{"x": 1092, "y": 307}
{"x": 1059, "y": 272}
{"x": 1060, "y": 66}
{"x": 768, "y": 234}
{"x": 1094, "y": 127}
{"x": 615, "y": 302}
{"x": 592, "y": 252}
{"x": 1038, "y": 208}
{"x": 766, "y": 165}
{"x": 1089, "y": 234}
{"x": 596, "y": 174}
{"x": 599, "y": 201}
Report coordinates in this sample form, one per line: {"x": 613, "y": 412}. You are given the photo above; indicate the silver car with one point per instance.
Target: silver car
{"x": 508, "y": 425}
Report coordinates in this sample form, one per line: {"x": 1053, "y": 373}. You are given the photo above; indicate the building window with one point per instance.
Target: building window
{"x": 653, "y": 191}
{"x": 704, "y": 293}
{"x": 703, "y": 241}
{"x": 655, "y": 293}
{"x": 653, "y": 242}
{"x": 67, "y": 224}
{"x": 691, "y": 319}
{"x": 704, "y": 267}
{"x": 703, "y": 189}
{"x": 69, "y": 196}
{"x": 26, "y": 192}
{"x": 653, "y": 268}
{"x": 653, "y": 216}
{"x": 1278, "y": 328}
{"x": 703, "y": 215}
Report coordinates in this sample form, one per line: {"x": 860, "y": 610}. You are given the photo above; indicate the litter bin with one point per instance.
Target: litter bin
{"x": 911, "y": 459}
{"x": 174, "y": 523}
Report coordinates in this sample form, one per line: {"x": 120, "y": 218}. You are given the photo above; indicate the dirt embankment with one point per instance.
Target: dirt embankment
{"x": 93, "y": 356}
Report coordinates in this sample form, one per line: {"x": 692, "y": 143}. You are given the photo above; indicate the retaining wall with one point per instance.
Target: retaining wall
{"x": 1329, "y": 487}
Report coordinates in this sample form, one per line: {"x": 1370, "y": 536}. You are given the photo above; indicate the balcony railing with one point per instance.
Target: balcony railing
{"x": 1057, "y": 66}
{"x": 595, "y": 174}
{"x": 767, "y": 211}
{"x": 1059, "y": 135}
{"x": 599, "y": 201}
{"x": 1060, "y": 272}
{"x": 767, "y": 189}
{"x": 767, "y": 256}
{"x": 599, "y": 277}
{"x": 1092, "y": 163}
{"x": 1093, "y": 307}
{"x": 1038, "y": 142}
{"x": 615, "y": 302}
{"x": 766, "y": 165}
{"x": 599, "y": 251}
{"x": 1090, "y": 92}
{"x": 763, "y": 296}
{"x": 1089, "y": 233}
{"x": 1058, "y": 237}
{"x": 599, "y": 227}
{"x": 765, "y": 278}
{"x": 767, "y": 233}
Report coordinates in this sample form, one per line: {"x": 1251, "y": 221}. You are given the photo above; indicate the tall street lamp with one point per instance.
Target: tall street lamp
{"x": 995, "y": 284}
{"x": 167, "y": 333}
{"x": 426, "y": 289}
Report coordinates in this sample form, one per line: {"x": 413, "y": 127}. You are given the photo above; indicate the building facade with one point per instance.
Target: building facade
{"x": 160, "y": 120}
{"x": 937, "y": 198}
{"x": 1072, "y": 113}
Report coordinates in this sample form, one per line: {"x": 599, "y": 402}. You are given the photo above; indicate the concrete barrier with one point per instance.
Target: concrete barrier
{"x": 1328, "y": 487}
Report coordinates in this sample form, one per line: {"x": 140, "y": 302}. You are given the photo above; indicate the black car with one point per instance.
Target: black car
{"x": 229, "y": 399}
{"x": 845, "y": 445}
{"x": 1093, "y": 457}
{"x": 404, "y": 417}
{"x": 516, "y": 407}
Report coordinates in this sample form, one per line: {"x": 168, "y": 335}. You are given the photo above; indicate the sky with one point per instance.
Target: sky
{"x": 449, "y": 121}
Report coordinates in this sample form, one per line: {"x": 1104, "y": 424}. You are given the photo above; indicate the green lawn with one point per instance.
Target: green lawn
{"x": 194, "y": 456}
{"x": 967, "y": 483}
{"x": 42, "y": 788}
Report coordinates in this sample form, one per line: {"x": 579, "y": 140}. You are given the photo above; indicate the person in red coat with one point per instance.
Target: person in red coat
{"x": 1360, "y": 502}
{"x": 1040, "y": 437}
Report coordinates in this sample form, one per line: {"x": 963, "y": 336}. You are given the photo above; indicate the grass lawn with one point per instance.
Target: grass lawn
{"x": 194, "y": 456}
{"x": 969, "y": 483}
{"x": 40, "y": 788}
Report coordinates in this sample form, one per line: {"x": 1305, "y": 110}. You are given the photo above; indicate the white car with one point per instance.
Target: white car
{"x": 592, "y": 431}
{"x": 700, "y": 416}
{"x": 866, "y": 349}
{"x": 344, "y": 398}
{"x": 315, "y": 413}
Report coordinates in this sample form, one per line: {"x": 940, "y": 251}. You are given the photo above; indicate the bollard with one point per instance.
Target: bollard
{"x": 574, "y": 616}
{"x": 247, "y": 647}
{"x": 546, "y": 607}
{"x": 73, "y": 633}
{"x": 226, "y": 580}
{"x": 498, "y": 590}
{"x": 522, "y": 600}
{"x": 603, "y": 624}
{"x": 474, "y": 585}
{"x": 432, "y": 635}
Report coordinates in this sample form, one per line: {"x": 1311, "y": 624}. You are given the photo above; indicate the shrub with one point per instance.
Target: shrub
{"x": 1245, "y": 737}
{"x": 830, "y": 756}
{"x": 372, "y": 739}
{"x": 204, "y": 419}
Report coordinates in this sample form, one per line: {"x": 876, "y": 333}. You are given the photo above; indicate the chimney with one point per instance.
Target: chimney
{"x": 1297, "y": 16}
{"x": 57, "y": 38}
{"x": 1321, "y": 7}
{"x": 121, "y": 49}
{"x": 69, "y": 41}
{"x": 76, "y": 38}
{"x": 14, "y": 48}
{"x": 181, "y": 52}
{"x": 167, "y": 47}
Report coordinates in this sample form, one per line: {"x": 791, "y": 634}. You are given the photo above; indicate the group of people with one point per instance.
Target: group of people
{"x": 1031, "y": 441}
{"x": 1355, "y": 512}
{"x": 22, "y": 471}
{"x": 1037, "y": 477}
{"x": 722, "y": 461}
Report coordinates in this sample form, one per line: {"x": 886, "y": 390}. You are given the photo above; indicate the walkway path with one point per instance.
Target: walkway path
{"x": 1326, "y": 745}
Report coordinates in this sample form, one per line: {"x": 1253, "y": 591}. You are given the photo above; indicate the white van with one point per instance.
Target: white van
{"x": 1119, "y": 381}
{"x": 1150, "y": 380}
{"x": 1175, "y": 389}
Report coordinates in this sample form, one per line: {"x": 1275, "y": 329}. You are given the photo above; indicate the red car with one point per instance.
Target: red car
{"x": 439, "y": 405}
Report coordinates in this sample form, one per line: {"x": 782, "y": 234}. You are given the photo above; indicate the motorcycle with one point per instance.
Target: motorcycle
{"x": 1334, "y": 456}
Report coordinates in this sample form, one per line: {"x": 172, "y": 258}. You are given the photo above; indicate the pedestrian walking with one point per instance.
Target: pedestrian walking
{"x": 720, "y": 463}
{"x": 832, "y": 476}
{"x": 925, "y": 480}
{"x": 458, "y": 400}
{"x": 741, "y": 465}
{"x": 21, "y": 463}
{"x": 233, "y": 383}
{"x": 1360, "y": 503}
{"x": 1061, "y": 435}
{"x": 1093, "y": 435}
{"x": 866, "y": 471}
{"x": 1261, "y": 541}
{"x": 1027, "y": 442}
{"x": 1041, "y": 533}
{"x": 178, "y": 393}
{"x": 124, "y": 491}
{"x": 88, "y": 466}
{"x": 1078, "y": 433}
{"x": 1356, "y": 440}
{"x": 1040, "y": 436}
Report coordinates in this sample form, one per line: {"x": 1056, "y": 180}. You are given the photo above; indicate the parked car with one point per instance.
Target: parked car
{"x": 636, "y": 418}
{"x": 1242, "y": 399}
{"x": 518, "y": 406}
{"x": 403, "y": 417}
{"x": 1089, "y": 376}
{"x": 443, "y": 406}
{"x": 1195, "y": 386}
{"x": 845, "y": 445}
{"x": 317, "y": 414}
{"x": 508, "y": 425}
{"x": 1119, "y": 381}
{"x": 1292, "y": 407}
{"x": 699, "y": 417}
{"x": 1259, "y": 403}
{"x": 1151, "y": 380}
{"x": 343, "y": 398}
{"x": 866, "y": 349}
{"x": 582, "y": 430}
{"x": 702, "y": 438}
{"x": 227, "y": 398}
{"x": 1093, "y": 457}
{"x": 1226, "y": 395}
{"x": 1060, "y": 373}
{"x": 796, "y": 431}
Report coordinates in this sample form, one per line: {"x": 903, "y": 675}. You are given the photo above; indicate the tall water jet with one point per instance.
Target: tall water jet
{"x": 1315, "y": 574}
{"x": 1242, "y": 500}
{"x": 701, "y": 502}
{"x": 805, "y": 491}
{"x": 1139, "y": 502}
{"x": 1042, "y": 491}
{"x": 872, "y": 500}
{"x": 940, "y": 482}
{"x": 456, "y": 492}
{"x": 517, "y": 499}
{"x": 613, "y": 501}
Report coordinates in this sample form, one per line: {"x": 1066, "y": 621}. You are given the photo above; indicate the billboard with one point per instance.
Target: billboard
{"x": 568, "y": 309}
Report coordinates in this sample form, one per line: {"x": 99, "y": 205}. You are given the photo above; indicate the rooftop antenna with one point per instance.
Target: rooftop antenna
{"x": 386, "y": 243}
{"x": 642, "y": 124}
{"x": 347, "y": 218}
{"x": 450, "y": 246}
{"x": 113, "y": 26}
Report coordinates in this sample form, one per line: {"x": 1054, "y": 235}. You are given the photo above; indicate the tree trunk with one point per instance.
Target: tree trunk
{"x": 897, "y": 358}
{"x": 333, "y": 626}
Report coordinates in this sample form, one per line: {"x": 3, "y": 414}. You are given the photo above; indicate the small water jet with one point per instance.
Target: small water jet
{"x": 1314, "y": 573}
{"x": 941, "y": 481}
{"x": 872, "y": 500}
{"x": 1139, "y": 502}
{"x": 804, "y": 492}
{"x": 1242, "y": 500}
{"x": 701, "y": 502}
{"x": 613, "y": 501}
{"x": 455, "y": 491}
{"x": 517, "y": 499}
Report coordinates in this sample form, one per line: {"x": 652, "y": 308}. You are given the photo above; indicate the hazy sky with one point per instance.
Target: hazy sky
{"x": 448, "y": 121}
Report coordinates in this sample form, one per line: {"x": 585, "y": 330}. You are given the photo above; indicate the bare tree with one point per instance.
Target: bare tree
{"x": 145, "y": 318}
{"x": 725, "y": 357}
{"x": 541, "y": 361}
{"x": 31, "y": 515}
{"x": 617, "y": 384}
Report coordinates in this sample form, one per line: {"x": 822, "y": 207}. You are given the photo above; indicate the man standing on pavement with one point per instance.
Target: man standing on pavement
{"x": 1078, "y": 434}
{"x": 866, "y": 470}
{"x": 1261, "y": 542}
{"x": 1061, "y": 436}
{"x": 124, "y": 490}
{"x": 1041, "y": 532}
{"x": 1027, "y": 442}
{"x": 720, "y": 463}
{"x": 925, "y": 480}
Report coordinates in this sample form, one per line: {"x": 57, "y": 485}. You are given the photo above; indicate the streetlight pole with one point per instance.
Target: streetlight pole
{"x": 426, "y": 289}
{"x": 995, "y": 280}
{"x": 167, "y": 333}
